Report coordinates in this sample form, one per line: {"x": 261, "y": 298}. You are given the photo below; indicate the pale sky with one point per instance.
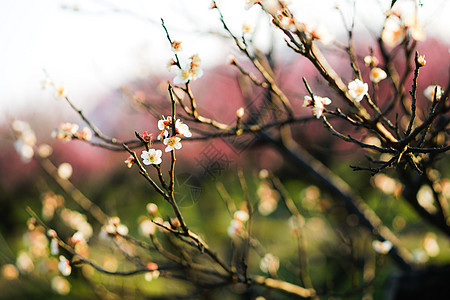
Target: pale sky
{"x": 107, "y": 42}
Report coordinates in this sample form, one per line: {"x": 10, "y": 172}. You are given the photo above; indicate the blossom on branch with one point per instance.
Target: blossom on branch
{"x": 357, "y": 90}
{"x": 433, "y": 91}
{"x": 317, "y": 106}
{"x": 151, "y": 157}
{"x": 130, "y": 161}
{"x": 393, "y": 32}
{"x": 191, "y": 71}
{"x": 172, "y": 143}
{"x": 64, "y": 266}
{"x": 377, "y": 74}
{"x": 175, "y": 46}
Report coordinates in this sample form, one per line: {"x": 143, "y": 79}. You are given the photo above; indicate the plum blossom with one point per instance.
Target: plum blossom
{"x": 393, "y": 32}
{"x": 235, "y": 228}
{"x": 377, "y": 74}
{"x": 319, "y": 32}
{"x": 382, "y": 247}
{"x": 317, "y": 106}
{"x": 172, "y": 143}
{"x": 249, "y": 3}
{"x": 182, "y": 129}
{"x": 130, "y": 161}
{"x": 175, "y": 46}
{"x": 357, "y": 90}
{"x": 371, "y": 61}
{"x": 66, "y": 131}
{"x": 64, "y": 266}
{"x": 269, "y": 263}
{"x": 433, "y": 90}
{"x": 165, "y": 124}
{"x": 191, "y": 71}
{"x": 151, "y": 157}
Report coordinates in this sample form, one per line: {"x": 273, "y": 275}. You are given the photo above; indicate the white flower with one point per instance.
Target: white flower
{"x": 269, "y": 263}
{"x": 430, "y": 91}
{"x": 64, "y": 266}
{"x": 175, "y": 46}
{"x": 147, "y": 227}
{"x": 152, "y": 156}
{"x": 60, "y": 92}
{"x": 377, "y": 74}
{"x": 122, "y": 229}
{"x": 393, "y": 32}
{"x": 172, "y": 143}
{"x": 78, "y": 237}
{"x": 319, "y": 32}
{"x": 382, "y": 247}
{"x": 249, "y": 3}
{"x": 54, "y": 245}
{"x": 319, "y": 104}
{"x": 371, "y": 61}
{"x": 357, "y": 90}
{"x": 182, "y": 129}
{"x": 241, "y": 216}
{"x": 235, "y": 228}
{"x": 191, "y": 71}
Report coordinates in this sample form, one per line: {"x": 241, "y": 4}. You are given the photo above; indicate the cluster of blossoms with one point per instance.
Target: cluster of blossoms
{"x": 191, "y": 71}
{"x": 269, "y": 264}
{"x": 25, "y": 140}
{"x": 113, "y": 228}
{"x": 165, "y": 125}
{"x": 68, "y": 131}
{"x": 396, "y": 28}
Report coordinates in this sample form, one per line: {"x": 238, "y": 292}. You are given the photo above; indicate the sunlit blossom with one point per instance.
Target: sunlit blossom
{"x": 357, "y": 90}
{"x": 172, "y": 143}
{"x": 377, "y": 74}
{"x": 151, "y": 157}
{"x": 317, "y": 106}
